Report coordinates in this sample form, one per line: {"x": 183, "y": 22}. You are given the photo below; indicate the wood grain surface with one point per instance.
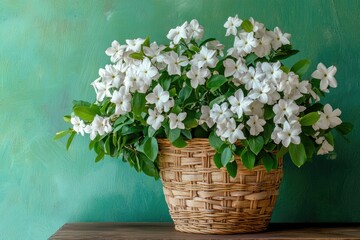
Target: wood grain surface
{"x": 140, "y": 231}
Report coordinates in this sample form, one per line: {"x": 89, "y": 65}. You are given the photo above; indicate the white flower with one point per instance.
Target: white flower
{"x": 92, "y": 131}
{"x": 236, "y": 69}
{"x": 174, "y": 63}
{"x": 99, "y": 126}
{"x": 205, "y": 58}
{"x": 274, "y": 134}
{"x": 256, "y": 125}
{"x": 257, "y": 26}
{"x": 78, "y": 125}
{"x": 245, "y": 43}
{"x": 197, "y": 76}
{"x": 115, "y": 52}
{"x": 231, "y": 25}
{"x": 111, "y": 76}
{"x": 215, "y": 45}
{"x": 284, "y": 108}
{"x": 160, "y": 98}
{"x": 176, "y": 120}
{"x": 102, "y": 89}
{"x": 290, "y": 133}
{"x": 326, "y": 75}
{"x": 273, "y": 71}
{"x": 255, "y": 108}
{"x": 147, "y": 71}
{"x": 178, "y": 33}
{"x": 264, "y": 47}
{"x": 260, "y": 91}
{"x": 122, "y": 100}
{"x": 195, "y": 30}
{"x": 154, "y": 50}
{"x": 325, "y": 148}
{"x": 205, "y": 116}
{"x": 134, "y": 44}
{"x": 239, "y": 104}
{"x": 328, "y": 118}
{"x": 219, "y": 114}
{"x": 131, "y": 80}
{"x": 288, "y": 83}
{"x": 279, "y": 38}
{"x": 251, "y": 77}
{"x": 233, "y": 133}
{"x": 155, "y": 119}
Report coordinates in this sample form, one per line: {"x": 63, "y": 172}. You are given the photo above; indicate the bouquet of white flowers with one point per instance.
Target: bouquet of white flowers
{"x": 246, "y": 102}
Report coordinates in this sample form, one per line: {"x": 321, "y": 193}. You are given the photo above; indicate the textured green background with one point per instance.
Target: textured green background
{"x": 50, "y": 52}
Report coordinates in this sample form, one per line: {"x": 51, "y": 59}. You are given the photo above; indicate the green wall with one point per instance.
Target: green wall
{"x": 50, "y": 52}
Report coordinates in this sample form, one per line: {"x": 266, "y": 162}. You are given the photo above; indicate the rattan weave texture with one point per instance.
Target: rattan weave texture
{"x": 204, "y": 199}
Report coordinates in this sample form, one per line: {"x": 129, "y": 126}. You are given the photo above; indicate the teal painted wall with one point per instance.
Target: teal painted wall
{"x": 50, "y": 52}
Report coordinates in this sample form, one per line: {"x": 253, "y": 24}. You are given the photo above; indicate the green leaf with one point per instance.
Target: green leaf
{"x": 186, "y": 133}
{"x": 70, "y": 139}
{"x": 148, "y": 167}
{"x": 146, "y": 43}
{"x": 270, "y": 147}
{"x": 217, "y": 160}
{"x": 215, "y": 141}
{"x": 86, "y": 113}
{"x": 185, "y": 93}
{"x": 248, "y": 159}
{"x": 283, "y": 150}
{"x": 285, "y": 69}
{"x": 78, "y": 103}
{"x": 309, "y": 119}
{"x": 301, "y": 67}
{"x": 107, "y": 146}
{"x": 330, "y": 138}
{"x": 179, "y": 143}
{"x": 61, "y": 134}
{"x": 151, "y": 131}
{"x": 126, "y": 130}
{"x": 247, "y": 25}
{"x": 231, "y": 168}
{"x": 268, "y": 112}
{"x": 190, "y": 121}
{"x": 165, "y": 83}
{"x": 100, "y": 156}
{"x": 226, "y": 156}
{"x": 268, "y": 129}
{"x": 138, "y": 56}
{"x": 174, "y": 134}
{"x": 238, "y": 150}
{"x": 256, "y": 144}
{"x": 207, "y": 40}
{"x": 217, "y": 100}
{"x": 215, "y": 82}
{"x": 314, "y": 108}
{"x": 297, "y": 154}
{"x": 67, "y": 118}
{"x": 309, "y": 145}
{"x": 344, "y": 128}
{"x": 268, "y": 162}
{"x": 280, "y": 55}
{"x": 250, "y": 59}
{"x": 151, "y": 148}
{"x": 138, "y": 103}
{"x": 194, "y": 48}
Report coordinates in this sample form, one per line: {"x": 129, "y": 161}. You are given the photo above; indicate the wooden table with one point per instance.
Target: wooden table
{"x": 166, "y": 231}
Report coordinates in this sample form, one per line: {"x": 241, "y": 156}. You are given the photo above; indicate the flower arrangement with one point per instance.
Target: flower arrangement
{"x": 246, "y": 102}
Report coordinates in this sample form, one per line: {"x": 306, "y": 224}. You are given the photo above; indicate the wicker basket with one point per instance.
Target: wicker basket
{"x": 204, "y": 199}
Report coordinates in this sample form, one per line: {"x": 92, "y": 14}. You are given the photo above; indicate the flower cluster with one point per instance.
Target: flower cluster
{"x": 190, "y": 88}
